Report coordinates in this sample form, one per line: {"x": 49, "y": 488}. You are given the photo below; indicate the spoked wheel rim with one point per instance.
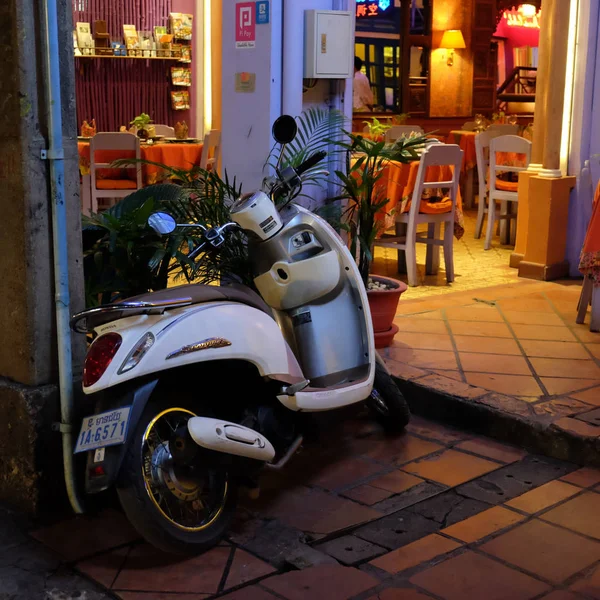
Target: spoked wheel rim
{"x": 379, "y": 404}
{"x": 190, "y": 497}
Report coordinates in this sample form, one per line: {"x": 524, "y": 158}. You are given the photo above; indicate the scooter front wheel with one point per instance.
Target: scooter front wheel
{"x": 386, "y": 402}
{"x": 173, "y": 501}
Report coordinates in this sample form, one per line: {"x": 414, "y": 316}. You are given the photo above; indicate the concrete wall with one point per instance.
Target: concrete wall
{"x": 28, "y": 367}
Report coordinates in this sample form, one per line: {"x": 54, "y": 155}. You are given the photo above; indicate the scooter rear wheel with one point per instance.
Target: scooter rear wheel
{"x": 386, "y": 402}
{"x": 174, "y": 503}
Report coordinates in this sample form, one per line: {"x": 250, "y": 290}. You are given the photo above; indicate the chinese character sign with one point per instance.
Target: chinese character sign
{"x": 371, "y": 8}
{"x": 245, "y": 25}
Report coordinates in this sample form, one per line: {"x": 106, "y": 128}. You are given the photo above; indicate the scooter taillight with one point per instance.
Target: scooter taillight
{"x": 99, "y": 356}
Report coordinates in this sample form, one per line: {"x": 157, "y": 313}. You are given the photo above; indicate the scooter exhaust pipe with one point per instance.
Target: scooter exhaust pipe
{"x": 230, "y": 438}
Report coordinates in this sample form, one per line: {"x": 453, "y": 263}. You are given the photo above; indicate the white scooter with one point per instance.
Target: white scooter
{"x": 200, "y": 387}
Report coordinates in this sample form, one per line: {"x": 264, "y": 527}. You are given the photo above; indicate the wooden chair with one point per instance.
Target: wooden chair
{"x": 165, "y": 130}
{"x": 397, "y": 131}
{"x": 469, "y": 126}
{"x": 113, "y": 188}
{"x": 436, "y": 155}
{"x": 504, "y": 128}
{"x": 482, "y": 152}
{"x": 504, "y": 191}
{"x": 211, "y": 152}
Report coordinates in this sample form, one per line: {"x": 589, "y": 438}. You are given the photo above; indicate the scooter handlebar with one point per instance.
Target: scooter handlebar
{"x": 310, "y": 162}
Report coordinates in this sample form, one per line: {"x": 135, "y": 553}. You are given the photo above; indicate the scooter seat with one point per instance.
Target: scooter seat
{"x": 200, "y": 294}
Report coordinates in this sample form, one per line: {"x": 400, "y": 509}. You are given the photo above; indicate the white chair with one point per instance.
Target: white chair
{"x": 124, "y": 143}
{"x": 165, "y": 130}
{"x": 504, "y": 128}
{"x": 211, "y": 152}
{"x": 499, "y": 190}
{"x": 436, "y": 155}
{"x": 482, "y": 152}
{"x": 397, "y": 131}
{"x": 469, "y": 126}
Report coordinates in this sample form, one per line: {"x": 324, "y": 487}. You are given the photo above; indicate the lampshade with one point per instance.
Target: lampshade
{"x": 453, "y": 38}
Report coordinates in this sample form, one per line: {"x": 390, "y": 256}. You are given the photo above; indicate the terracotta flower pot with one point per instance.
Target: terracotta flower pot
{"x": 383, "y": 304}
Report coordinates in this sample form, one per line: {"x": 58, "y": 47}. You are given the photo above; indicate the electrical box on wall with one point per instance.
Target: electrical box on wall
{"x": 328, "y": 44}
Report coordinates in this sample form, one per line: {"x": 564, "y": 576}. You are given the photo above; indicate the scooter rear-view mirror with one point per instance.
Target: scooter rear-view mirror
{"x": 162, "y": 223}
{"x": 285, "y": 129}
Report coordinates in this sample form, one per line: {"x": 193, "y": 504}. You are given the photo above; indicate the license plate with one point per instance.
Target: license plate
{"x": 105, "y": 429}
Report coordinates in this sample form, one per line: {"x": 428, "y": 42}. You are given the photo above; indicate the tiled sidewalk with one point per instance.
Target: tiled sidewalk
{"x": 515, "y": 349}
{"x": 434, "y": 513}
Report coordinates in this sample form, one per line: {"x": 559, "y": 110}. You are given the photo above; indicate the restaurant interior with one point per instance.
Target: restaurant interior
{"x": 462, "y": 72}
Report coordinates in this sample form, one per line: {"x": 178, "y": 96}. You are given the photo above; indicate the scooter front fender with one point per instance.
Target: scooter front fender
{"x": 101, "y": 475}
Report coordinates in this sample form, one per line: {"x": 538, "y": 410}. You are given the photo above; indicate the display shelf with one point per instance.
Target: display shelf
{"x": 171, "y": 58}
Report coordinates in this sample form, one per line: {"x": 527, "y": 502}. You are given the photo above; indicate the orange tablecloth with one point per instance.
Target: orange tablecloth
{"x": 400, "y": 180}
{"x": 182, "y": 156}
{"x": 589, "y": 263}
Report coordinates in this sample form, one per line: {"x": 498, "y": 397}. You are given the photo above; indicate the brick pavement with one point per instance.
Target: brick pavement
{"x": 433, "y": 513}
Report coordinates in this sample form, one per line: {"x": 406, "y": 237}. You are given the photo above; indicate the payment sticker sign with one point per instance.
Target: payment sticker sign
{"x": 245, "y": 25}
{"x": 262, "y": 12}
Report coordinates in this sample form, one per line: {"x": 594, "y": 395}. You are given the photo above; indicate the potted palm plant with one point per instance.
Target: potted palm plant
{"x": 364, "y": 196}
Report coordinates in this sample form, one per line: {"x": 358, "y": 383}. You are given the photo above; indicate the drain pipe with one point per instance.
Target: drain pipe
{"x": 55, "y": 155}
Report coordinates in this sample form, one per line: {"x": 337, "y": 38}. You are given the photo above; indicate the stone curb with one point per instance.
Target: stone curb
{"x": 484, "y": 415}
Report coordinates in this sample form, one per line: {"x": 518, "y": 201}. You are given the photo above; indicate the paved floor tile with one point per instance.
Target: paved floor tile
{"x": 420, "y": 325}
{"x": 404, "y": 371}
{"x": 590, "y": 416}
{"x": 536, "y": 304}
{"x": 591, "y": 397}
{"x": 486, "y": 345}
{"x": 581, "y": 514}
{"x": 451, "y": 467}
{"x": 397, "y": 530}
{"x": 583, "y": 333}
{"x": 342, "y": 473}
{"x": 85, "y": 535}
{"x": 350, "y": 549}
{"x": 589, "y": 584}
{"x": 471, "y": 576}
{"x": 397, "y": 450}
{"x": 480, "y": 526}
{"x": 585, "y": 477}
{"x": 415, "y": 553}
{"x": 542, "y": 349}
{"x": 560, "y": 407}
{"x": 422, "y": 341}
{"x": 316, "y": 512}
{"x": 248, "y": 593}
{"x": 479, "y": 328}
{"x": 549, "y": 367}
{"x": 400, "y": 594}
{"x": 450, "y": 386}
{"x": 532, "y": 318}
{"x": 579, "y": 428}
{"x": 104, "y": 568}
{"x": 559, "y": 386}
{"x": 545, "y": 550}
{"x": 448, "y": 508}
{"x": 518, "y": 385}
{"x": 494, "y": 363}
{"x": 147, "y": 569}
{"x": 326, "y": 582}
{"x": 245, "y": 568}
{"x": 543, "y": 332}
{"x": 474, "y": 312}
{"x": 436, "y": 431}
{"x": 410, "y": 497}
{"x": 366, "y": 494}
{"x": 395, "y": 482}
{"x": 543, "y": 497}
{"x": 561, "y": 595}
{"x": 425, "y": 359}
{"x": 491, "y": 449}
{"x": 158, "y": 596}
{"x": 594, "y": 349}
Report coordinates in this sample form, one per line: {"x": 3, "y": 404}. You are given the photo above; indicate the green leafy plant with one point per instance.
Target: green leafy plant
{"x": 377, "y": 127}
{"x": 361, "y": 192}
{"x": 141, "y": 121}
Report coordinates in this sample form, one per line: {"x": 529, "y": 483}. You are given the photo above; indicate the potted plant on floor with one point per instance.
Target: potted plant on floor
{"x": 364, "y": 195}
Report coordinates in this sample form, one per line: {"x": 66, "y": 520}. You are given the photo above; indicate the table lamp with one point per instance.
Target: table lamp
{"x": 452, "y": 39}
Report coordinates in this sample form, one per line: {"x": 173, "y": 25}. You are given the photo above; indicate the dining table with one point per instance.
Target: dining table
{"x": 589, "y": 262}
{"x": 179, "y": 155}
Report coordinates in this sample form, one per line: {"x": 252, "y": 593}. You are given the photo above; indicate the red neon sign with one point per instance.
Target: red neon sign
{"x": 520, "y": 18}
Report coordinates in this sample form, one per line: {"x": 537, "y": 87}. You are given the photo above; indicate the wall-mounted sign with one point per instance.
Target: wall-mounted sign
{"x": 245, "y": 83}
{"x": 262, "y": 12}
{"x": 522, "y": 18}
{"x": 245, "y": 25}
{"x": 371, "y": 8}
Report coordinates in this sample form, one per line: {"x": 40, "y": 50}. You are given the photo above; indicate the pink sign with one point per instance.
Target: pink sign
{"x": 245, "y": 25}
